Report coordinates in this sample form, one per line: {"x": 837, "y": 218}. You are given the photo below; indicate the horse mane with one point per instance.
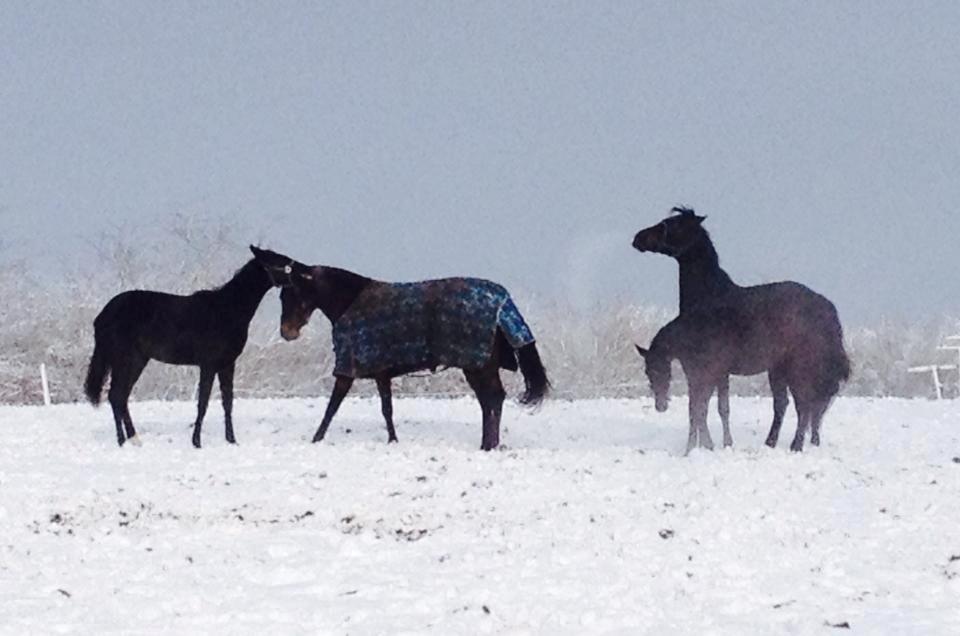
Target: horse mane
{"x": 334, "y": 289}
{"x": 246, "y": 268}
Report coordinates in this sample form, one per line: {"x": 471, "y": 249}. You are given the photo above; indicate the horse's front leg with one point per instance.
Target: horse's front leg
{"x": 340, "y": 389}
{"x": 203, "y": 398}
{"x": 386, "y": 406}
{"x": 699, "y": 405}
{"x": 226, "y": 397}
{"x": 723, "y": 408}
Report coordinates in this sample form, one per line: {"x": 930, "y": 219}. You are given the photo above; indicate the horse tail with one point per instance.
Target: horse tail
{"x": 96, "y": 373}
{"x": 534, "y": 375}
{"x": 99, "y": 361}
{"x": 834, "y": 369}
{"x": 835, "y": 363}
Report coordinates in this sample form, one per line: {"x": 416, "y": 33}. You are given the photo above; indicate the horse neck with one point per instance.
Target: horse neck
{"x": 335, "y": 290}
{"x": 667, "y": 340}
{"x": 245, "y": 290}
{"x": 701, "y": 276}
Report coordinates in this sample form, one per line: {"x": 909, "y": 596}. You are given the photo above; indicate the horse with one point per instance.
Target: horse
{"x": 383, "y": 330}
{"x": 207, "y": 329}
{"x": 774, "y": 317}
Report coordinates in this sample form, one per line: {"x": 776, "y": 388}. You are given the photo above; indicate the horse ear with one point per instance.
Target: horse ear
{"x": 700, "y": 219}
{"x": 257, "y": 252}
{"x": 643, "y": 352}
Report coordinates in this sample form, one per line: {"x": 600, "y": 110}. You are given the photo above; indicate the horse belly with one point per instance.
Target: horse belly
{"x": 748, "y": 369}
{"x": 750, "y": 361}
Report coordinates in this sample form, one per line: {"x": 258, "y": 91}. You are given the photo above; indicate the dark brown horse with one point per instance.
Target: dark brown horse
{"x": 207, "y": 329}
{"x": 383, "y": 330}
{"x": 785, "y": 329}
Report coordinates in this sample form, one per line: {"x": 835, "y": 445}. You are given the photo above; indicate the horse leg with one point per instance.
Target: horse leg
{"x": 118, "y": 395}
{"x": 819, "y": 410}
{"x": 778, "y": 386}
{"x": 485, "y": 384}
{"x": 203, "y": 398}
{"x": 386, "y": 406}
{"x": 499, "y": 395}
{"x": 340, "y": 389}
{"x": 699, "y": 405}
{"x": 226, "y": 397}
{"x": 803, "y": 421}
{"x": 136, "y": 369}
{"x": 723, "y": 408}
{"x": 495, "y": 399}
{"x": 475, "y": 380}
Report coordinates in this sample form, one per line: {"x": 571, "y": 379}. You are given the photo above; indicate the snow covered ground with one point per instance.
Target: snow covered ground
{"x": 590, "y": 521}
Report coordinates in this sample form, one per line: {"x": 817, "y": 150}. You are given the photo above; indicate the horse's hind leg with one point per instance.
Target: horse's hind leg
{"x": 723, "y": 408}
{"x": 117, "y": 403}
{"x": 386, "y": 406}
{"x": 136, "y": 368}
{"x": 497, "y": 395}
{"x": 203, "y": 398}
{"x": 119, "y": 393}
{"x": 804, "y": 413}
{"x": 819, "y": 410}
{"x": 226, "y": 397}
{"x": 489, "y": 390}
{"x": 778, "y": 386}
{"x": 340, "y": 389}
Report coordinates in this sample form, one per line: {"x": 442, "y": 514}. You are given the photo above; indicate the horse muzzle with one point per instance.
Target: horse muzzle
{"x": 639, "y": 243}
{"x": 289, "y": 333}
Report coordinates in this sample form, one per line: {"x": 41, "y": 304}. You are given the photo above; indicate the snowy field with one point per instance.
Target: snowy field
{"x": 589, "y": 521}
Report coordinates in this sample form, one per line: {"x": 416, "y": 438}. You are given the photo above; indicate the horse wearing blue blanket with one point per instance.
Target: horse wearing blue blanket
{"x": 382, "y": 330}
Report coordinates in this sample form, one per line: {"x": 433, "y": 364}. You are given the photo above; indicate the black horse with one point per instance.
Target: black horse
{"x": 763, "y": 324}
{"x": 383, "y": 330}
{"x": 207, "y": 329}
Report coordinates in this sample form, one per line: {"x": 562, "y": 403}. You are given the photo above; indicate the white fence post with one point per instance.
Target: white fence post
{"x": 44, "y": 384}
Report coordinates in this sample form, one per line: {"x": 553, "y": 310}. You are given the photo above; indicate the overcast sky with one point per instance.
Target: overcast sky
{"x": 523, "y": 142}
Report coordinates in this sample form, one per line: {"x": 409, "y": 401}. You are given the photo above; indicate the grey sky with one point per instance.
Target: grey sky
{"x": 524, "y": 142}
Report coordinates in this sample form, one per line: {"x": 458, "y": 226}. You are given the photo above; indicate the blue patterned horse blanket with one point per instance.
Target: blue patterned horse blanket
{"x": 404, "y": 327}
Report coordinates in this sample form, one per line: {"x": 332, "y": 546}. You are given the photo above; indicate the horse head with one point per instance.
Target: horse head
{"x": 658, "y": 373}
{"x": 296, "y": 308}
{"x": 673, "y": 235}
{"x": 294, "y": 278}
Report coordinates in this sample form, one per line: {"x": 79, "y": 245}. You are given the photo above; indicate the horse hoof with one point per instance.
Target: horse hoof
{"x": 796, "y": 448}
{"x": 393, "y": 440}
{"x": 196, "y": 443}
{"x": 135, "y": 440}
{"x": 772, "y": 443}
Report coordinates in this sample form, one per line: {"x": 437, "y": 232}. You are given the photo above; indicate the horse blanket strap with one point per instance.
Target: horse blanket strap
{"x": 450, "y": 322}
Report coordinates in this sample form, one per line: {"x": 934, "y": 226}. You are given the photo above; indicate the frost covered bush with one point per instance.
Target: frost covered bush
{"x": 588, "y": 353}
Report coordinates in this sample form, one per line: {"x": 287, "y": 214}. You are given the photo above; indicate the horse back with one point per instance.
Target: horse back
{"x": 171, "y": 328}
{"x": 753, "y": 329}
